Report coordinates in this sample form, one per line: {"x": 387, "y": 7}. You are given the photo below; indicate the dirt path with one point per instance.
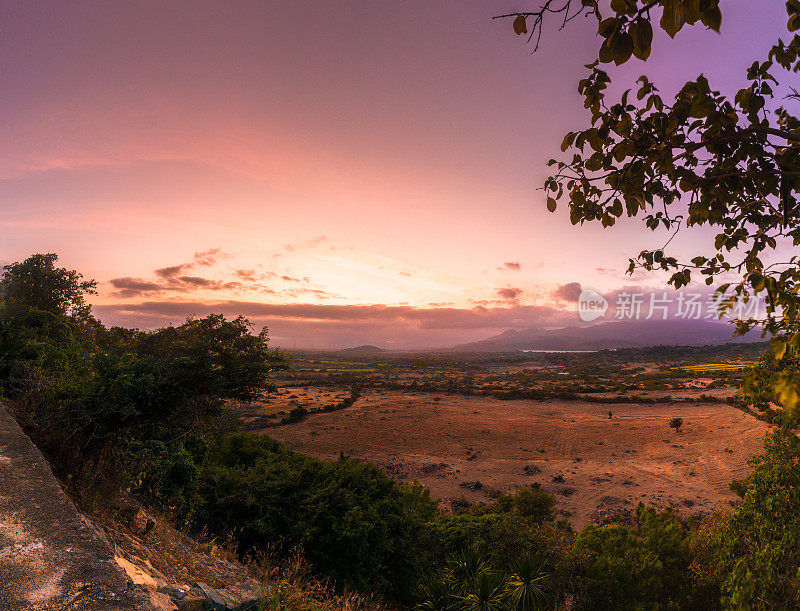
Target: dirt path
{"x": 607, "y": 464}
{"x": 50, "y": 556}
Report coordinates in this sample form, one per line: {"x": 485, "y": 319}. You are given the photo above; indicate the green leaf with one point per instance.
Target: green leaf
{"x": 778, "y": 347}
{"x": 605, "y": 54}
{"x": 712, "y": 18}
{"x": 642, "y": 33}
{"x": 619, "y": 6}
{"x": 702, "y": 107}
{"x": 757, "y": 281}
{"x": 607, "y": 27}
{"x": 520, "y": 25}
{"x": 672, "y": 18}
{"x": 623, "y": 48}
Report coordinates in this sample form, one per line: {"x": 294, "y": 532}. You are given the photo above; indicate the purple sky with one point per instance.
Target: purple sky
{"x": 346, "y": 172}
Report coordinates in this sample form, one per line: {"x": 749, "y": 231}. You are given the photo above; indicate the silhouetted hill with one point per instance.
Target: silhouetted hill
{"x": 616, "y": 334}
{"x": 365, "y": 350}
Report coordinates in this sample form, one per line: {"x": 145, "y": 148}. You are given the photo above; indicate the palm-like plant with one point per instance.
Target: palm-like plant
{"x": 528, "y": 584}
{"x": 439, "y": 595}
{"x": 467, "y": 565}
{"x": 488, "y": 591}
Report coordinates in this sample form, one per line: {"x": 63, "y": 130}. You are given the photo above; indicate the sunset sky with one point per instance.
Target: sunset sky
{"x": 345, "y": 173}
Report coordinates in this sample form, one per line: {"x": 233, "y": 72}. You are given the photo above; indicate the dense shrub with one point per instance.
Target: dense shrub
{"x": 621, "y": 568}
{"x": 351, "y": 522}
{"x": 296, "y": 414}
{"x": 344, "y": 403}
{"x": 87, "y": 394}
{"x": 118, "y": 407}
{"x": 758, "y": 546}
{"x": 500, "y": 531}
{"x": 533, "y": 504}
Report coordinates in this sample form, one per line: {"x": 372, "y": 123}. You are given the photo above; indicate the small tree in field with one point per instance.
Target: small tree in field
{"x": 676, "y": 423}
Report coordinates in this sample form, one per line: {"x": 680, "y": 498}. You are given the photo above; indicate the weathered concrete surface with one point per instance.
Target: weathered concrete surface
{"x": 51, "y": 557}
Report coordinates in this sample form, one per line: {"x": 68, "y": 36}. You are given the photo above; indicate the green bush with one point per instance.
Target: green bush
{"x": 296, "y": 414}
{"x": 499, "y": 532}
{"x": 620, "y": 568}
{"x": 351, "y": 522}
{"x": 758, "y": 546}
{"x": 87, "y": 394}
{"x": 533, "y": 503}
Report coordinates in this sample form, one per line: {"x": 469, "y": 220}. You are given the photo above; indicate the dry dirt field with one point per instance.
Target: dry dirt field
{"x": 608, "y": 464}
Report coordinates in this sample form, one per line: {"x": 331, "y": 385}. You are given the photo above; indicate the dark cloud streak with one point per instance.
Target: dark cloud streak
{"x": 568, "y": 292}
{"x": 517, "y": 316}
{"x": 510, "y": 294}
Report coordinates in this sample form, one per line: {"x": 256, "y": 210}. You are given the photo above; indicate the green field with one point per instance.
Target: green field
{"x": 714, "y": 367}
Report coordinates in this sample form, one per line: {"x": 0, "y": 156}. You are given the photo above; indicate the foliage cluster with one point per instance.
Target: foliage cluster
{"x": 695, "y": 158}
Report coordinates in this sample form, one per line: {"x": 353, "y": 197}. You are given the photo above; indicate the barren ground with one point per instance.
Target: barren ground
{"x": 608, "y": 464}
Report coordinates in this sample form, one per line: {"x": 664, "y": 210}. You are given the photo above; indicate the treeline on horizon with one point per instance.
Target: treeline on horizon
{"x": 143, "y": 413}
{"x": 427, "y": 358}
{"x": 599, "y": 377}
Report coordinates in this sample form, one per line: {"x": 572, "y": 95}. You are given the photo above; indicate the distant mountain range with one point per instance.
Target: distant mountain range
{"x": 616, "y": 334}
{"x": 365, "y": 350}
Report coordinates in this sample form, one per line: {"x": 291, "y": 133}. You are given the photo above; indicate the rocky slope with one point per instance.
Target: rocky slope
{"x": 51, "y": 556}
{"x": 54, "y": 557}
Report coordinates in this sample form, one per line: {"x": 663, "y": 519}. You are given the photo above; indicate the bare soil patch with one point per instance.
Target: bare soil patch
{"x": 473, "y": 447}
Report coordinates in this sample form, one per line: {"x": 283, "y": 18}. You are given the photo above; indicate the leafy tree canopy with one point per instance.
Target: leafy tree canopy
{"x": 699, "y": 159}
{"x": 37, "y": 283}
